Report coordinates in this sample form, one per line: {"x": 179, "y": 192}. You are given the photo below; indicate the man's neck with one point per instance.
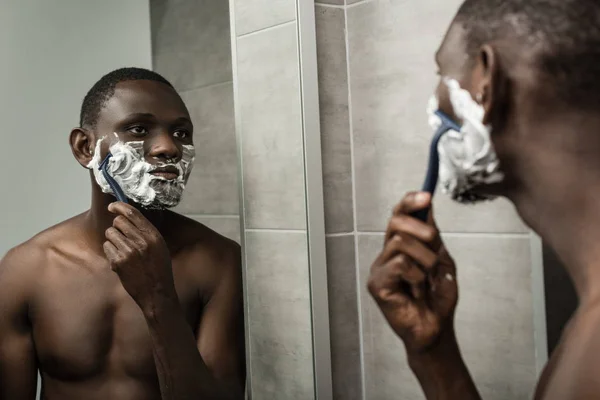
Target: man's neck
{"x": 564, "y": 210}
{"x": 99, "y": 219}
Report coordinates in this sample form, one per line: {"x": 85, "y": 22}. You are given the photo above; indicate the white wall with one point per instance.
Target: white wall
{"x": 51, "y": 53}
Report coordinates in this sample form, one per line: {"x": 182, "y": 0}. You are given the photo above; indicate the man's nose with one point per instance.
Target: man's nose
{"x": 164, "y": 148}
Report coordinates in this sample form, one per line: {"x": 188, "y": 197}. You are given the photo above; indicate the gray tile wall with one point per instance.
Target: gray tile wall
{"x": 376, "y": 73}
{"x": 271, "y": 128}
{"x": 344, "y": 318}
{"x": 267, "y": 84}
{"x": 191, "y": 47}
{"x": 279, "y": 315}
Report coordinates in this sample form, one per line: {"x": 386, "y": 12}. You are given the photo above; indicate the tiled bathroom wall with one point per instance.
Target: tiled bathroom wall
{"x": 191, "y": 47}
{"x": 269, "y": 124}
{"x": 376, "y": 73}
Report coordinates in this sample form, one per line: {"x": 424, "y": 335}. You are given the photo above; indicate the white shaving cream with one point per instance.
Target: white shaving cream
{"x": 131, "y": 171}
{"x": 467, "y": 158}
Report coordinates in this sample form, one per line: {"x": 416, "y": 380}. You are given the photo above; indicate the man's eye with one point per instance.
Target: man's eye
{"x": 138, "y": 130}
{"x": 181, "y": 134}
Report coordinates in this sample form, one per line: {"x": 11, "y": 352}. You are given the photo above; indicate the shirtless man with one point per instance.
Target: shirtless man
{"x": 531, "y": 71}
{"x": 125, "y": 301}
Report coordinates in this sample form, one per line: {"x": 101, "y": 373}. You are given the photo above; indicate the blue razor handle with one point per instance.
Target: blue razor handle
{"x": 111, "y": 182}
{"x": 433, "y": 167}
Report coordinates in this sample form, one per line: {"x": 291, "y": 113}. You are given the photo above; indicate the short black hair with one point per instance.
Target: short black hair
{"x": 563, "y": 35}
{"x": 104, "y": 89}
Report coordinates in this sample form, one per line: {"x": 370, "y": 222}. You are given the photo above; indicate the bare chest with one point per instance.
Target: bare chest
{"x": 86, "y": 325}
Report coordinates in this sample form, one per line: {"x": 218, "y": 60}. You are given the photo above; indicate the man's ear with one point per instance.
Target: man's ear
{"x": 490, "y": 83}
{"x": 82, "y": 145}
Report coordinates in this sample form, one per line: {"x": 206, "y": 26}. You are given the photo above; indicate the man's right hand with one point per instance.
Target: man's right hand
{"x": 413, "y": 280}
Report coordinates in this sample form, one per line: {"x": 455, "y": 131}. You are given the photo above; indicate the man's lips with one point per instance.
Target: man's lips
{"x": 168, "y": 173}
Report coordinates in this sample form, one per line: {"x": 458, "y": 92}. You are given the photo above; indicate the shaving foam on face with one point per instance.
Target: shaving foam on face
{"x": 467, "y": 158}
{"x": 131, "y": 171}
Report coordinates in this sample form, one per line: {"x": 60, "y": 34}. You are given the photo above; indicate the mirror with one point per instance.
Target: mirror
{"x": 376, "y": 74}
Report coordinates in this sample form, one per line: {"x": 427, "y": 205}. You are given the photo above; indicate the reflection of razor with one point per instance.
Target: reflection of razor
{"x": 433, "y": 168}
{"x": 111, "y": 182}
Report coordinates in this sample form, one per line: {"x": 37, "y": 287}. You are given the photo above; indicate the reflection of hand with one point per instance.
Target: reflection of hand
{"x": 413, "y": 278}
{"x": 139, "y": 255}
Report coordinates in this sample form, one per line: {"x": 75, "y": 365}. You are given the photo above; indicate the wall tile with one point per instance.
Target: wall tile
{"x": 343, "y": 318}
{"x": 495, "y": 314}
{"x": 494, "y": 320}
{"x": 191, "y": 42}
{"x": 335, "y": 119}
{"x": 392, "y": 76}
{"x": 255, "y": 15}
{"x": 498, "y": 216}
{"x": 226, "y": 226}
{"x": 280, "y": 320}
{"x": 271, "y": 126}
{"x": 213, "y": 184}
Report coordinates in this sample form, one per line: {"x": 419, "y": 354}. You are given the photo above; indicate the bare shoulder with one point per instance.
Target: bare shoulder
{"x": 18, "y": 269}
{"x": 573, "y": 370}
{"x": 205, "y": 250}
{"x": 22, "y": 261}
{"x": 22, "y": 264}
{"x": 585, "y": 346}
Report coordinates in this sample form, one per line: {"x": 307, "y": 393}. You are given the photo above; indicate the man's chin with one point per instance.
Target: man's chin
{"x": 158, "y": 204}
{"x": 479, "y": 193}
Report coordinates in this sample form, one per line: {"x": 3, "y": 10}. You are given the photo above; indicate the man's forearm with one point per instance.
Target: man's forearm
{"x": 442, "y": 372}
{"x": 181, "y": 371}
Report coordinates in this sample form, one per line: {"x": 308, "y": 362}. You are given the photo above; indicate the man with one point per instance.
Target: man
{"x": 522, "y": 78}
{"x": 125, "y": 301}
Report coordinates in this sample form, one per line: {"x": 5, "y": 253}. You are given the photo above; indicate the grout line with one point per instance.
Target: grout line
{"x": 236, "y": 216}
{"x": 259, "y": 230}
{"x": 268, "y": 28}
{"x": 361, "y": 335}
{"x": 329, "y": 5}
{"x": 360, "y": 3}
{"x": 503, "y": 235}
{"x": 205, "y": 86}
{"x": 341, "y": 234}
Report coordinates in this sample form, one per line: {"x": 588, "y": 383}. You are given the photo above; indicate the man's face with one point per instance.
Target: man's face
{"x": 470, "y": 170}
{"x": 147, "y": 128}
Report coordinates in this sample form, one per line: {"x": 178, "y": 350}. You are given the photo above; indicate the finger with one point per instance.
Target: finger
{"x": 388, "y": 296}
{"x": 384, "y": 290}
{"x": 443, "y": 275}
{"x": 437, "y": 242}
{"x": 118, "y": 240}
{"x": 404, "y": 275}
{"x": 399, "y": 282}
{"x": 444, "y": 290}
{"x": 112, "y": 254}
{"x": 132, "y": 214}
{"x": 402, "y": 267}
{"x": 129, "y": 230}
{"x": 406, "y": 224}
{"x": 413, "y": 201}
{"x": 403, "y": 243}
{"x": 447, "y": 266}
